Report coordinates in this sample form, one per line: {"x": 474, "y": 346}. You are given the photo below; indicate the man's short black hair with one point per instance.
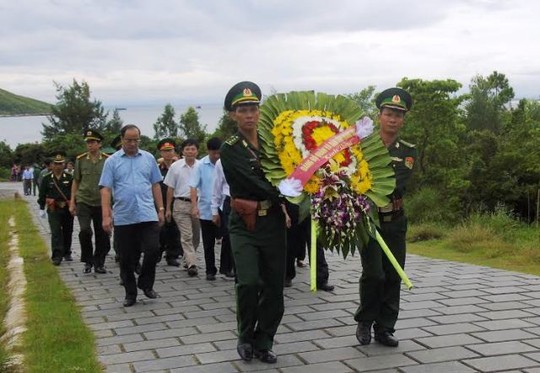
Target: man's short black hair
{"x": 213, "y": 144}
{"x": 189, "y": 142}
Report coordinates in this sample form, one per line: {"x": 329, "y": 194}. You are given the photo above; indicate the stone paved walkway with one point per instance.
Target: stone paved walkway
{"x": 458, "y": 318}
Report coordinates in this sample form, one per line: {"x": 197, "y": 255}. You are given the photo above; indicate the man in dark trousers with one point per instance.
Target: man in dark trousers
{"x": 257, "y": 229}
{"x": 380, "y": 283}
{"x": 169, "y": 236}
{"x": 55, "y": 194}
{"x": 86, "y": 203}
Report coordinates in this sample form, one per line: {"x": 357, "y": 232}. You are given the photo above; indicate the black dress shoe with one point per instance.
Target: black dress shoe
{"x": 68, "y": 258}
{"x": 266, "y": 356}
{"x": 150, "y": 293}
{"x": 87, "y": 268}
{"x": 128, "y": 302}
{"x": 100, "y": 269}
{"x": 386, "y": 338}
{"x": 193, "y": 271}
{"x": 325, "y": 287}
{"x": 363, "y": 333}
{"x": 245, "y": 350}
{"x": 56, "y": 261}
{"x": 211, "y": 277}
{"x": 173, "y": 262}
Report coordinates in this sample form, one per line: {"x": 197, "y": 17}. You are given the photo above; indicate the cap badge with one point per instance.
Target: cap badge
{"x": 247, "y": 92}
{"x": 396, "y": 99}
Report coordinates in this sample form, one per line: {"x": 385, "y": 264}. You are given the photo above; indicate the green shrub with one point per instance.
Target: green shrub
{"x": 425, "y": 232}
{"x": 428, "y": 205}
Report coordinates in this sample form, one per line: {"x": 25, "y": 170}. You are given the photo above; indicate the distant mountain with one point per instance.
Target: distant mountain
{"x": 12, "y": 104}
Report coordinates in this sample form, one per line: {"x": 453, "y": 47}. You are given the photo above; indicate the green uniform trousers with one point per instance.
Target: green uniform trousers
{"x": 380, "y": 284}
{"x": 61, "y": 225}
{"x": 260, "y": 268}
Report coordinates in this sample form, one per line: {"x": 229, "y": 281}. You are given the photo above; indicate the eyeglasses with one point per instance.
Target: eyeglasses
{"x": 134, "y": 141}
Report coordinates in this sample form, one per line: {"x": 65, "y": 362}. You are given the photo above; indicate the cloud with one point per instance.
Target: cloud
{"x": 185, "y": 51}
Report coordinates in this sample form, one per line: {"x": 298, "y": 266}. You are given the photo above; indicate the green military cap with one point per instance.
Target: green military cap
{"x": 394, "y": 98}
{"x": 59, "y": 157}
{"x": 243, "y": 93}
{"x": 166, "y": 144}
{"x": 91, "y": 134}
{"x": 117, "y": 142}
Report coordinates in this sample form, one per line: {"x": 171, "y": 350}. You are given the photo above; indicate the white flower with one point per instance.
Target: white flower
{"x": 290, "y": 187}
{"x": 364, "y": 127}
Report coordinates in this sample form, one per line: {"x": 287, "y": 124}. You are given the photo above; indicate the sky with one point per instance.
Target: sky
{"x": 193, "y": 51}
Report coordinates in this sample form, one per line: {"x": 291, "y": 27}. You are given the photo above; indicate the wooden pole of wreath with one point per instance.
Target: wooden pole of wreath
{"x": 313, "y": 256}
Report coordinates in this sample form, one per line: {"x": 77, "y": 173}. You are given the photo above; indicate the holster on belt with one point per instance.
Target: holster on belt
{"x": 50, "y": 203}
{"x": 247, "y": 209}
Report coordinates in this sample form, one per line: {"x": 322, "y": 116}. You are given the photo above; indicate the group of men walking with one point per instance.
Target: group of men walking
{"x": 157, "y": 208}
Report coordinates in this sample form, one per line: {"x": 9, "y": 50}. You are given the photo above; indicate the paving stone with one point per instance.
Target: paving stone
{"x": 334, "y": 354}
{"x": 442, "y": 354}
{"x": 126, "y": 357}
{"x": 151, "y": 345}
{"x": 446, "y": 367}
{"x": 501, "y": 348}
{"x": 448, "y": 340}
{"x": 208, "y": 368}
{"x": 185, "y": 350}
{"x": 154, "y": 364}
{"x": 380, "y": 362}
{"x": 313, "y": 325}
{"x": 501, "y": 363}
{"x": 453, "y": 328}
{"x": 503, "y": 335}
{"x": 334, "y": 367}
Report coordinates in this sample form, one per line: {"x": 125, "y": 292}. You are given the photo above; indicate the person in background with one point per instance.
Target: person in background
{"x": 35, "y": 183}
{"x": 169, "y": 237}
{"x": 379, "y": 282}
{"x": 27, "y": 177}
{"x": 86, "y": 203}
{"x": 201, "y": 186}
{"x": 257, "y": 229}
{"x": 47, "y": 168}
{"x": 221, "y": 208}
{"x": 70, "y": 167}
{"x": 133, "y": 177}
{"x": 55, "y": 194}
{"x": 177, "y": 181}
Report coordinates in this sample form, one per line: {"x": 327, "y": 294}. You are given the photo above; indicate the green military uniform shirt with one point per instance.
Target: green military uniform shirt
{"x": 48, "y": 189}
{"x": 87, "y": 174}
{"x": 241, "y": 165}
{"x": 403, "y": 155}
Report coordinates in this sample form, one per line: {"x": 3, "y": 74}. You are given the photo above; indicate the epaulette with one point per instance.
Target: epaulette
{"x": 105, "y": 155}
{"x": 232, "y": 140}
{"x": 82, "y": 155}
{"x": 407, "y": 143}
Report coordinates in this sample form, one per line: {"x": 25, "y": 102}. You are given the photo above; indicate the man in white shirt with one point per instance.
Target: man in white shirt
{"x": 221, "y": 208}
{"x": 177, "y": 181}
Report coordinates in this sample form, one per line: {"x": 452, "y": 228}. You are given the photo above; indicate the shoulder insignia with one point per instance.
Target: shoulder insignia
{"x": 105, "y": 155}
{"x": 82, "y": 155}
{"x": 407, "y": 143}
{"x": 232, "y": 140}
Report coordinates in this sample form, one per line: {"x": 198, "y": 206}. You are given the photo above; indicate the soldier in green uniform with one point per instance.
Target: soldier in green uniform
{"x": 55, "y": 194}
{"x": 379, "y": 283}
{"x": 257, "y": 229}
{"x": 86, "y": 203}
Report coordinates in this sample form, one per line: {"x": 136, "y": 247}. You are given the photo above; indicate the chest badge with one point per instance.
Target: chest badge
{"x": 409, "y": 162}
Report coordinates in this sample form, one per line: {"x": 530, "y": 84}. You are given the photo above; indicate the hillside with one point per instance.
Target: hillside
{"x": 12, "y": 104}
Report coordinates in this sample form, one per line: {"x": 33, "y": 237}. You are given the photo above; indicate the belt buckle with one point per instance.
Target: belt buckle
{"x": 262, "y": 212}
{"x": 387, "y": 218}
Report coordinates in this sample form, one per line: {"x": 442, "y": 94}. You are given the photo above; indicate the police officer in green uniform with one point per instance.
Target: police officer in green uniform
{"x": 257, "y": 229}
{"x": 379, "y": 283}
{"x": 55, "y": 194}
{"x": 86, "y": 203}
{"x": 169, "y": 236}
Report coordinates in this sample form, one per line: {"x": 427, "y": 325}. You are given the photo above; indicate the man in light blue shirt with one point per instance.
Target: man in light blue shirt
{"x": 202, "y": 181}
{"x": 132, "y": 176}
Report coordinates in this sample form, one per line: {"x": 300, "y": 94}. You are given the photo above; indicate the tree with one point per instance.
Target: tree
{"x": 6, "y": 155}
{"x": 365, "y": 100}
{"x": 226, "y": 127}
{"x": 190, "y": 127}
{"x": 74, "y": 112}
{"x": 166, "y": 126}
{"x": 114, "y": 125}
{"x": 486, "y": 102}
{"x": 28, "y": 154}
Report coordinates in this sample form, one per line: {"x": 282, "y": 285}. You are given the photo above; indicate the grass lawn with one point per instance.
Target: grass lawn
{"x": 57, "y": 340}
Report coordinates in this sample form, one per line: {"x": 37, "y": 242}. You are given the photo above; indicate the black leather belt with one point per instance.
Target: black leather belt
{"x": 183, "y": 199}
{"x": 387, "y": 217}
